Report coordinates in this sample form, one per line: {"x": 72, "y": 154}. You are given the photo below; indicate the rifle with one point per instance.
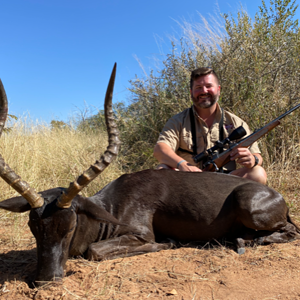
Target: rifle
{"x": 215, "y": 160}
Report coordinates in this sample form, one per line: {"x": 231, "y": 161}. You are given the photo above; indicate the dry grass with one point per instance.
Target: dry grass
{"x": 48, "y": 158}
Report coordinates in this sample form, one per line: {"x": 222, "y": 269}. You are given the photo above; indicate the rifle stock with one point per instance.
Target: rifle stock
{"x": 218, "y": 160}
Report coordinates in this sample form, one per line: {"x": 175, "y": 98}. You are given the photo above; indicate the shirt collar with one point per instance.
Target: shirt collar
{"x": 218, "y": 115}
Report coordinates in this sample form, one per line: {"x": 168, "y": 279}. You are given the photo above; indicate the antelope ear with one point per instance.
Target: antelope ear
{"x": 86, "y": 206}
{"x": 20, "y": 204}
{"x": 15, "y": 204}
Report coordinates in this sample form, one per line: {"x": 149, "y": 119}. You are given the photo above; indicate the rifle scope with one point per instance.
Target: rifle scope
{"x": 235, "y": 135}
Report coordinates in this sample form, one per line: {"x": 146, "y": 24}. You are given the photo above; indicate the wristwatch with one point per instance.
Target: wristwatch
{"x": 256, "y": 161}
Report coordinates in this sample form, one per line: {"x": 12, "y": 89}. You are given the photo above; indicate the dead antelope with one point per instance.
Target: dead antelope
{"x": 142, "y": 212}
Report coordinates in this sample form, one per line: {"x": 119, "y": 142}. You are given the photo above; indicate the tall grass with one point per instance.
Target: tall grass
{"x": 48, "y": 158}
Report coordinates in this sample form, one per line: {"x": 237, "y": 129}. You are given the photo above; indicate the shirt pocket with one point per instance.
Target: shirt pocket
{"x": 186, "y": 141}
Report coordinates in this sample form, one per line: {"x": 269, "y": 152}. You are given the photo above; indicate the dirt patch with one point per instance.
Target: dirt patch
{"x": 263, "y": 272}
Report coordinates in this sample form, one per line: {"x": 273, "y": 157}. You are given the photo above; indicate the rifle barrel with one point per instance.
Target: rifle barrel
{"x": 288, "y": 112}
{"x": 275, "y": 121}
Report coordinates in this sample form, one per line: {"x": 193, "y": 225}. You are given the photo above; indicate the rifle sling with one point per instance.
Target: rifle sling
{"x": 221, "y": 135}
{"x": 193, "y": 131}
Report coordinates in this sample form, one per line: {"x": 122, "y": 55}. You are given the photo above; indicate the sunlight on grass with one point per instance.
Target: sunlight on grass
{"x": 48, "y": 158}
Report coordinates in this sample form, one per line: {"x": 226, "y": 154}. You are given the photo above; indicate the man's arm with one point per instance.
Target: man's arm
{"x": 165, "y": 155}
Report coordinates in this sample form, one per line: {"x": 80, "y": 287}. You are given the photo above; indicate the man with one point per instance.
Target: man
{"x": 174, "y": 148}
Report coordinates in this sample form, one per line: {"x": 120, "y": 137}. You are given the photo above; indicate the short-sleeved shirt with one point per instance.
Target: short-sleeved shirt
{"x": 177, "y": 134}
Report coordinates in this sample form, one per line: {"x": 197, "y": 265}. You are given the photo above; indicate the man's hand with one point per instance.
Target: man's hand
{"x": 244, "y": 157}
{"x": 185, "y": 166}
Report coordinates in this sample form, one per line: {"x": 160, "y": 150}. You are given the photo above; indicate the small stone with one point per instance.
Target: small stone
{"x": 173, "y": 292}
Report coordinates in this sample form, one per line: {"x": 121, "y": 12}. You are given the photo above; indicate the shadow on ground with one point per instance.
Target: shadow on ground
{"x": 18, "y": 265}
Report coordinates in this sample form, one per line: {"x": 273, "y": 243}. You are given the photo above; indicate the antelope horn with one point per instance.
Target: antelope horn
{"x": 15, "y": 181}
{"x": 3, "y": 107}
{"x": 65, "y": 199}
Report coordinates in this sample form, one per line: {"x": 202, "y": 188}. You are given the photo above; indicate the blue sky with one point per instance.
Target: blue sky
{"x": 56, "y": 56}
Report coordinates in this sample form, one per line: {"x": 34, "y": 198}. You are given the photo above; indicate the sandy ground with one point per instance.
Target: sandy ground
{"x": 213, "y": 272}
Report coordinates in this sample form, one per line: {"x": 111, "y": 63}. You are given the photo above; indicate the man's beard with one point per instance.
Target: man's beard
{"x": 207, "y": 103}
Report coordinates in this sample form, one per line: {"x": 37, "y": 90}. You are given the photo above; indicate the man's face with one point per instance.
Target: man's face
{"x": 206, "y": 91}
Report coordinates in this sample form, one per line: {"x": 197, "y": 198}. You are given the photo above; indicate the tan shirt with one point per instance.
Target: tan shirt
{"x": 177, "y": 134}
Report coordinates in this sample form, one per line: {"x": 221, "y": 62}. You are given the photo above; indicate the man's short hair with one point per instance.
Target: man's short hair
{"x": 202, "y": 72}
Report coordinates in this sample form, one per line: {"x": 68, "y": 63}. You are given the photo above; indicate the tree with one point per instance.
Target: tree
{"x": 55, "y": 124}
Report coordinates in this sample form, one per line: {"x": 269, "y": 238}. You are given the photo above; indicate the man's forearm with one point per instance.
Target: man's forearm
{"x": 165, "y": 155}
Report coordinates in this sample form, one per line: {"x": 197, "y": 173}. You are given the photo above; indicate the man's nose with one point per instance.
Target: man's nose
{"x": 203, "y": 90}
